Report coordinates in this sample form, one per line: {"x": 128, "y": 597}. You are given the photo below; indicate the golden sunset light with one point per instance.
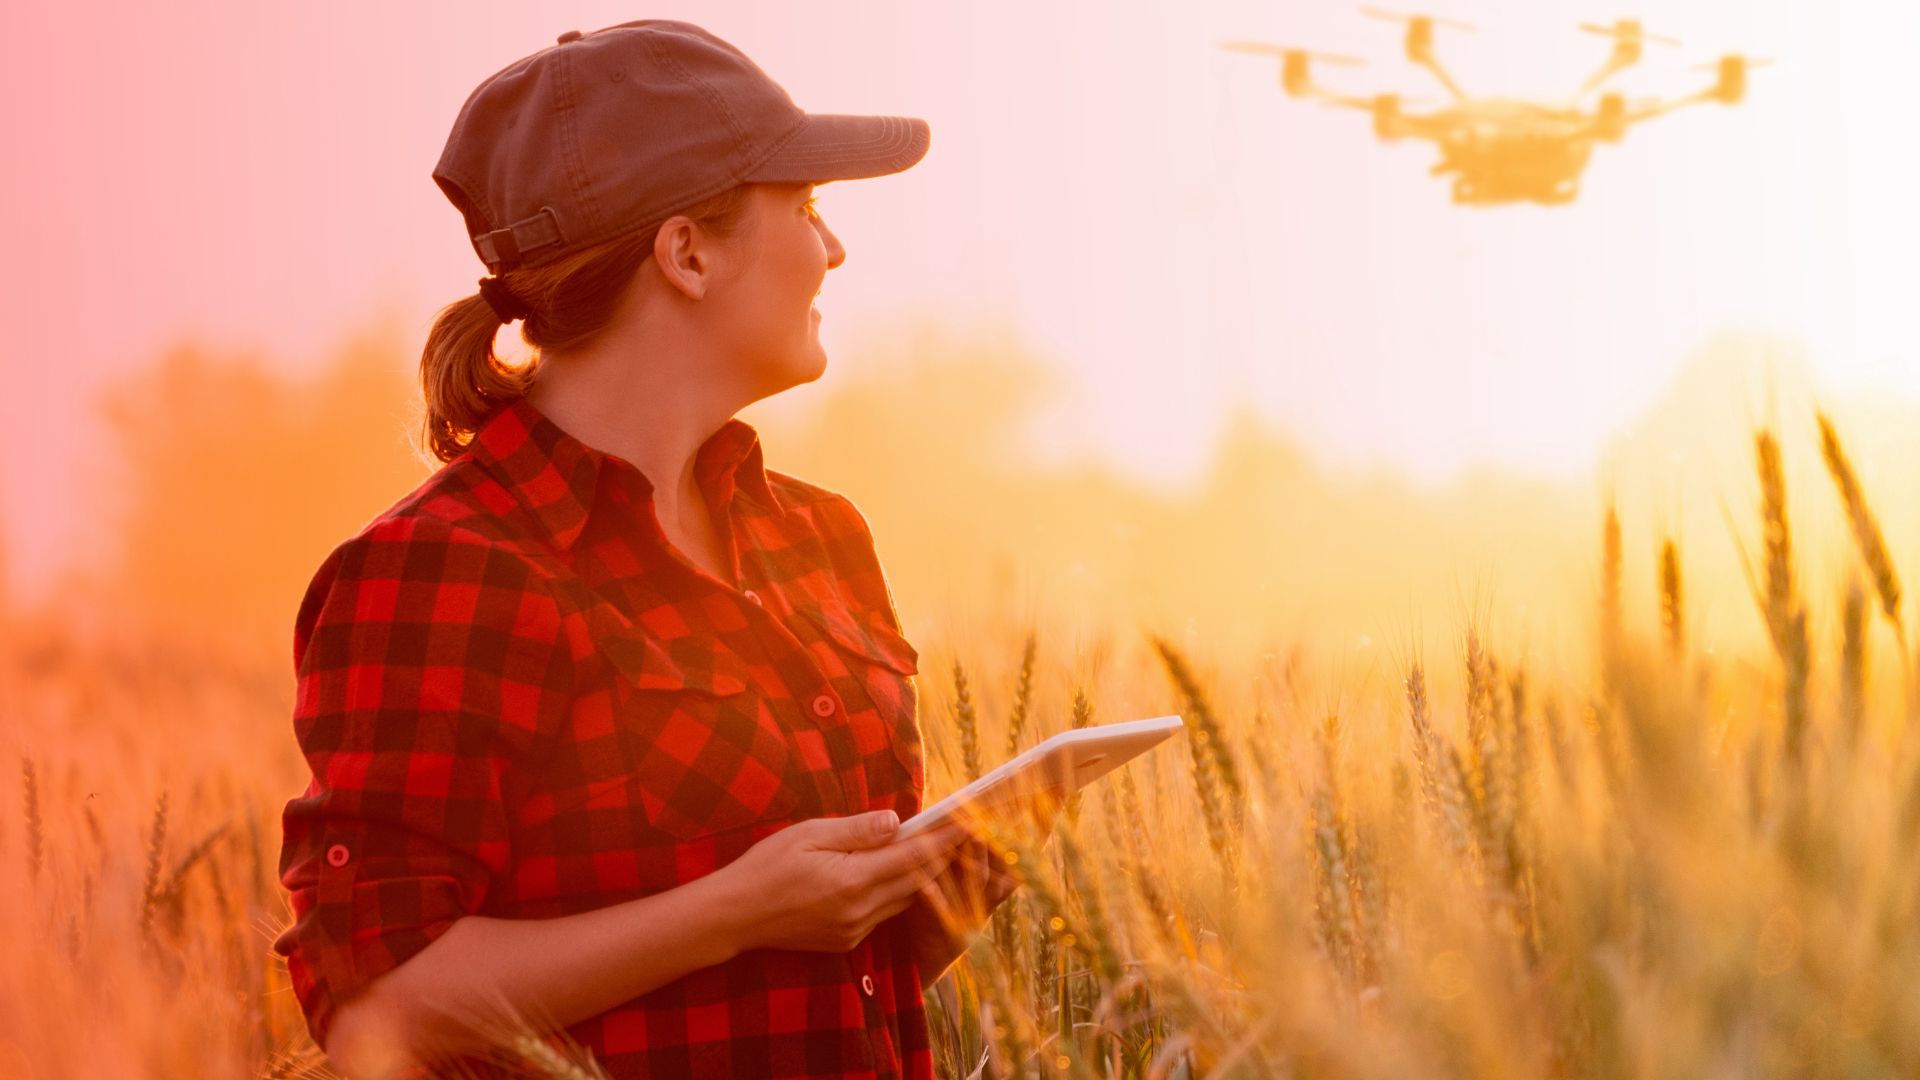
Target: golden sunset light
{"x": 1484, "y": 431}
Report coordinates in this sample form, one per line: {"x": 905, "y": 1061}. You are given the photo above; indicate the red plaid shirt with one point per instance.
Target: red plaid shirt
{"x": 518, "y": 700}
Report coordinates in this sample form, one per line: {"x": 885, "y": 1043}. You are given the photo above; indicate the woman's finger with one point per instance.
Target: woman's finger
{"x": 915, "y": 881}
{"x": 891, "y": 908}
{"x": 932, "y": 848}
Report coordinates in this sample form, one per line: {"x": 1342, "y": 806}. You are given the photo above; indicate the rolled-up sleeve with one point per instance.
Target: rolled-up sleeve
{"x": 431, "y": 668}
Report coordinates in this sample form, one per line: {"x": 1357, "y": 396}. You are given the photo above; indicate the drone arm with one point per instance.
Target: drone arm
{"x": 1729, "y": 89}
{"x": 1428, "y": 61}
{"x": 1662, "y": 108}
{"x": 1344, "y": 100}
{"x": 1612, "y": 67}
{"x": 1388, "y": 121}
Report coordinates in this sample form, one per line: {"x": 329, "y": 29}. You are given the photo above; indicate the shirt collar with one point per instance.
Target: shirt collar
{"x": 556, "y": 476}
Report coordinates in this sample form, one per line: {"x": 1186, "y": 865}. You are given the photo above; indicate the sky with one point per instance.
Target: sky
{"x": 1144, "y": 210}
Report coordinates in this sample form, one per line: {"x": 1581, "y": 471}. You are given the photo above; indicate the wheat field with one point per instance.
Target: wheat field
{"x": 1673, "y": 856}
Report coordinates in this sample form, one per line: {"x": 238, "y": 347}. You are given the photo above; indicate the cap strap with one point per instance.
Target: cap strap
{"x": 501, "y": 249}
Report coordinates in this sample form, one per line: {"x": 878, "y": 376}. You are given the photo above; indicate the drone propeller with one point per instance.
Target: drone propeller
{"x": 1264, "y": 48}
{"x": 1628, "y": 30}
{"x": 1402, "y": 17}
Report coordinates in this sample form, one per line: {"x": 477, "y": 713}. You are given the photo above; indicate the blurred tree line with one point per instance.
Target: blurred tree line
{"x": 236, "y": 479}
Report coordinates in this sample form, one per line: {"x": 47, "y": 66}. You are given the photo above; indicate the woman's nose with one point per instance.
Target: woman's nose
{"x": 836, "y": 254}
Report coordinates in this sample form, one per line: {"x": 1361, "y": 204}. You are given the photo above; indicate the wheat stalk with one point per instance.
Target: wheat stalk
{"x": 171, "y": 890}
{"x": 1207, "y": 787}
{"x": 967, "y": 721}
{"x": 1455, "y": 802}
{"x": 1344, "y": 829}
{"x": 1865, "y": 526}
{"x": 1022, "y": 697}
{"x": 1520, "y": 737}
{"x": 1853, "y": 660}
{"x": 1082, "y": 716}
{"x": 1333, "y": 898}
{"x": 1494, "y": 820}
{"x": 1422, "y": 736}
{"x": 1479, "y": 716}
{"x": 1404, "y": 820}
{"x": 1099, "y": 929}
{"x": 1786, "y": 617}
{"x": 1612, "y": 617}
{"x": 1672, "y": 600}
{"x": 156, "y": 844}
{"x": 1559, "y": 743}
{"x": 1443, "y": 779}
{"x": 1370, "y": 898}
{"x": 30, "y": 784}
{"x": 1216, "y": 781}
{"x": 1210, "y": 734}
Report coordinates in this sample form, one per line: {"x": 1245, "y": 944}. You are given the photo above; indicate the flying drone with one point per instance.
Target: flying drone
{"x": 1501, "y": 150}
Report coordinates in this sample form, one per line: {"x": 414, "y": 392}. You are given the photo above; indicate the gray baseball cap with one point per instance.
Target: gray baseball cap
{"x": 616, "y": 130}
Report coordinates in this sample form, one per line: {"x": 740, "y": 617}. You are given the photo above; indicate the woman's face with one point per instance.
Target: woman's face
{"x": 784, "y": 252}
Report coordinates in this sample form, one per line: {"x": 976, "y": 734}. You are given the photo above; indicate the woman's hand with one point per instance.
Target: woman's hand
{"x": 955, "y": 905}
{"x": 823, "y": 884}
{"x": 974, "y": 883}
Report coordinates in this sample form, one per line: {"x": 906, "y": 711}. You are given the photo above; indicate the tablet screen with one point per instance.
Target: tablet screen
{"x": 1055, "y": 768}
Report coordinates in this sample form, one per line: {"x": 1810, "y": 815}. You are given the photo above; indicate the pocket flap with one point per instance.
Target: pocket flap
{"x": 868, "y": 636}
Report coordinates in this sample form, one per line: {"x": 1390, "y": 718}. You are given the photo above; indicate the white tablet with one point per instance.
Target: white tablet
{"x": 1059, "y": 766}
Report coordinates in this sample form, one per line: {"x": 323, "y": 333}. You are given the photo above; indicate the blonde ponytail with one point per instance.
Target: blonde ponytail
{"x": 463, "y": 382}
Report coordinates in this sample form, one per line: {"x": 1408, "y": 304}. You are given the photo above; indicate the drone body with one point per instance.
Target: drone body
{"x": 1500, "y": 150}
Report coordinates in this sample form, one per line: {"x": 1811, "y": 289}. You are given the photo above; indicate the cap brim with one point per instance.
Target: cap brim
{"x": 838, "y": 146}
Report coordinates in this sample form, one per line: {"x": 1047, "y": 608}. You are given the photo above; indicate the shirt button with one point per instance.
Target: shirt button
{"x": 866, "y": 985}
{"x": 755, "y": 597}
{"x": 823, "y": 705}
{"x": 337, "y": 855}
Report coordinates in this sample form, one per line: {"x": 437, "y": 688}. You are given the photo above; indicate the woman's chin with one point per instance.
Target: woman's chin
{"x": 808, "y": 365}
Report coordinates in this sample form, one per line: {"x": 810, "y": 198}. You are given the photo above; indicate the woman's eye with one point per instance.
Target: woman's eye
{"x": 810, "y": 207}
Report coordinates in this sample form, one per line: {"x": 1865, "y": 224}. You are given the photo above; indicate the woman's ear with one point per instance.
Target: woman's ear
{"x": 683, "y": 254}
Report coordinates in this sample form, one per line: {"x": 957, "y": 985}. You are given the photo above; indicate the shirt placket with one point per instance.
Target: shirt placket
{"x": 880, "y": 1021}
{"x": 827, "y": 713}
{"x": 818, "y": 707}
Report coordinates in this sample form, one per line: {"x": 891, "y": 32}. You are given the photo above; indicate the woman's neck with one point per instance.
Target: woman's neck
{"x": 650, "y": 416}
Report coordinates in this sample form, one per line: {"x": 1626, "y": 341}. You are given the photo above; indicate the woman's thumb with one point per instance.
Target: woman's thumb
{"x": 857, "y": 832}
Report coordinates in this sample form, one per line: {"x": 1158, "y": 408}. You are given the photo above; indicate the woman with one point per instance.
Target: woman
{"x": 610, "y": 726}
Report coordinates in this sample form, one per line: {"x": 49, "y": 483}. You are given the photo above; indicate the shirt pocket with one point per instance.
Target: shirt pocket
{"x": 881, "y": 664}
{"x": 708, "y": 755}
